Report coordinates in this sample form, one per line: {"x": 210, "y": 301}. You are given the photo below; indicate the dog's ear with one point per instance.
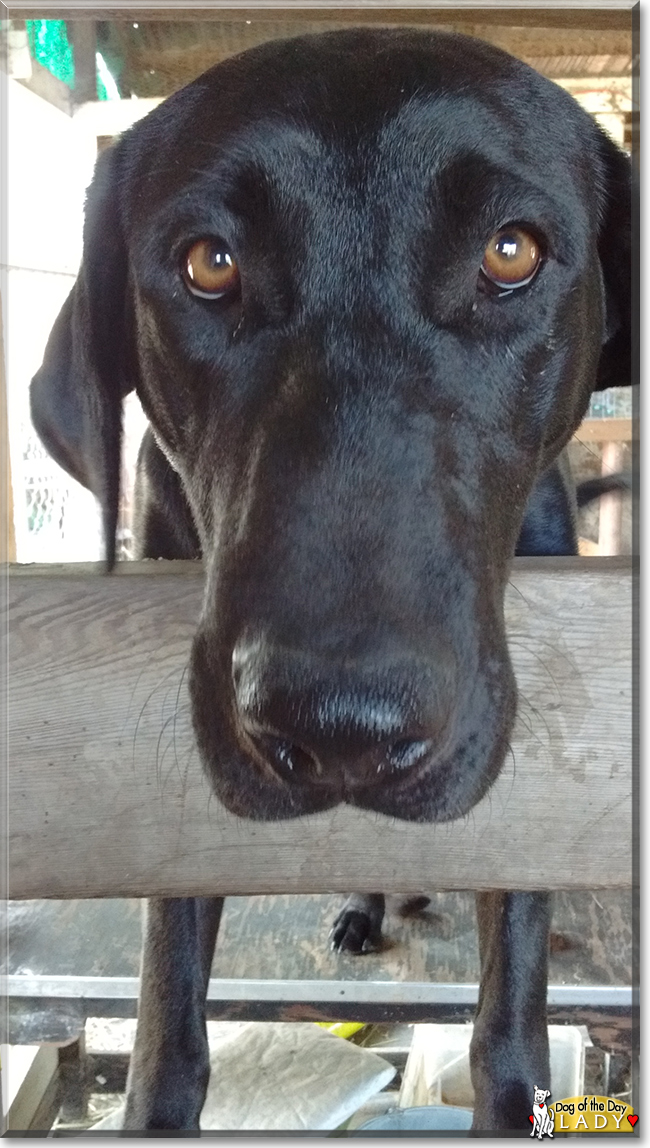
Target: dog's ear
{"x": 615, "y": 250}
{"x": 76, "y": 396}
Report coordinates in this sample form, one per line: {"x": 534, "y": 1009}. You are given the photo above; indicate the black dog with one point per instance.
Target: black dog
{"x": 364, "y": 284}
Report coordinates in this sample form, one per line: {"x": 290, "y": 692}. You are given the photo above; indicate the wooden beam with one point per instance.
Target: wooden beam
{"x": 580, "y": 14}
{"x": 184, "y": 62}
{"x": 107, "y": 796}
{"x": 608, "y": 430}
{"x": 84, "y": 47}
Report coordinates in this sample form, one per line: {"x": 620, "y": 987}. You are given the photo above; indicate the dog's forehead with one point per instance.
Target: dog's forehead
{"x": 265, "y": 163}
{"x": 411, "y": 97}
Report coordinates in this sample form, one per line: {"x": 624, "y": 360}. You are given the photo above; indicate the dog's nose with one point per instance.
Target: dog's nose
{"x": 345, "y": 729}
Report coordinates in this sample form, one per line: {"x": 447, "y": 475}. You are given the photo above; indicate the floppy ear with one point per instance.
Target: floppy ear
{"x": 615, "y": 250}
{"x": 76, "y": 396}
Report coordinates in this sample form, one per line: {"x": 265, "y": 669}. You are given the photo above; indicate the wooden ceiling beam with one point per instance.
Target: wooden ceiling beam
{"x": 587, "y": 16}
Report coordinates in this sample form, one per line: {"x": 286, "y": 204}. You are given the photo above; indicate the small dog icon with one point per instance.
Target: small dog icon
{"x": 543, "y": 1118}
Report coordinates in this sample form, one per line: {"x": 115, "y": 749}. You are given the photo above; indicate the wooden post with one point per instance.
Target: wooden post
{"x": 611, "y": 505}
{"x": 84, "y": 45}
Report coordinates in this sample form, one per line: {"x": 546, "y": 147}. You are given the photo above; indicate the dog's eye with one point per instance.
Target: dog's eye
{"x": 511, "y": 259}
{"x": 209, "y": 269}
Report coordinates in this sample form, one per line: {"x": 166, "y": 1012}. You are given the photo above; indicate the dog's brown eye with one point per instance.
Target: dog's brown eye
{"x": 210, "y": 270}
{"x": 512, "y": 258}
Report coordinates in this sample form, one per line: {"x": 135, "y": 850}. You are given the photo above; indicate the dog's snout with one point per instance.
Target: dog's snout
{"x": 332, "y": 758}
{"x": 316, "y": 724}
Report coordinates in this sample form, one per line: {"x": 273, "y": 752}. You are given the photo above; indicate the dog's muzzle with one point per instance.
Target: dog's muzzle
{"x": 315, "y": 721}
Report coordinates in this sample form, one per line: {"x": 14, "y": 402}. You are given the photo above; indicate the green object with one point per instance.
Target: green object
{"x": 49, "y": 45}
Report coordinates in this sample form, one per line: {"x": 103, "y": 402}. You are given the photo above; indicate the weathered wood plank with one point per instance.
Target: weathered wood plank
{"x": 107, "y": 798}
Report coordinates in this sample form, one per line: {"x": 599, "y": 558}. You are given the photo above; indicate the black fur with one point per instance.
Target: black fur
{"x": 358, "y": 441}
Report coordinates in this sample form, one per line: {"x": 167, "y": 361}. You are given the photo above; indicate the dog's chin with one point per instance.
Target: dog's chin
{"x": 446, "y": 791}
{"x": 244, "y": 791}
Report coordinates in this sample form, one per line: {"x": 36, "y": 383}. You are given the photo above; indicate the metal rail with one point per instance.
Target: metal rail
{"x": 106, "y": 991}
{"x": 55, "y": 1008}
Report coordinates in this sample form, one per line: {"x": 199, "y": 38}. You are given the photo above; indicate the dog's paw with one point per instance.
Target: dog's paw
{"x": 353, "y": 931}
{"x": 414, "y": 906}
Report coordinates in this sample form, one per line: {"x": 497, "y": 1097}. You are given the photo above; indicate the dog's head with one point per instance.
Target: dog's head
{"x": 364, "y": 284}
{"x": 540, "y": 1094}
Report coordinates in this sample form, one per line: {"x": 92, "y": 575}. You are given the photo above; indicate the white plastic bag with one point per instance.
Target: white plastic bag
{"x": 283, "y": 1077}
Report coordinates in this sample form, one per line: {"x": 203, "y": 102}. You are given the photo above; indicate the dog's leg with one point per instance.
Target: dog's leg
{"x": 357, "y": 928}
{"x": 509, "y": 1052}
{"x": 170, "y": 1065}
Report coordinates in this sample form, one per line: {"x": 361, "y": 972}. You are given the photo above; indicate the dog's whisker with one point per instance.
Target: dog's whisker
{"x": 513, "y": 778}
{"x": 178, "y": 708}
{"x": 145, "y": 705}
{"x": 536, "y": 713}
{"x": 552, "y": 647}
{"x": 528, "y": 724}
{"x": 183, "y": 778}
{"x": 134, "y": 690}
{"x": 166, "y": 724}
{"x": 520, "y": 594}
{"x": 571, "y": 669}
{"x": 525, "y": 722}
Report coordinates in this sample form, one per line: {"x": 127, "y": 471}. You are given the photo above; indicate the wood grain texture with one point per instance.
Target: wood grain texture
{"x": 597, "y": 14}
{"x": 107, "y": 796}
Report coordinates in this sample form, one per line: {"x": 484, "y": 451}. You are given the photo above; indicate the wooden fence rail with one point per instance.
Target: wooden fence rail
{"x": 107, "y": 797}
